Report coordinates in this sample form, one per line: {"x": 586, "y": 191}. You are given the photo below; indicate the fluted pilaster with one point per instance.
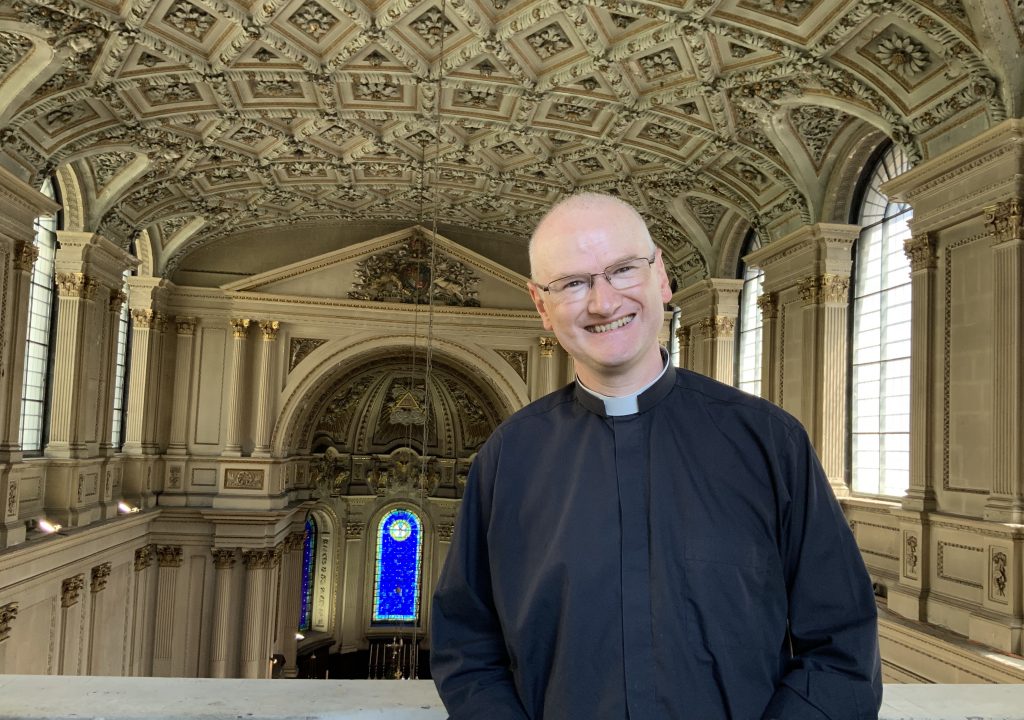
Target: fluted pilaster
{"x": 260, "y": 565}
{"x": 290, "y": 587}
{"x": 265, "y": 387}
{"x": 16, "y": 264}
{"x": 169, "y": 558}
{"x": 144, "y": 326}
{"x": 768, "y": 303}
{"x": 108, "y": 369}
{"x": 225, "y": 613}
{"x": 240, "y": 332}
{"x": 186, "y": 327}
{"x": 1006, "y": 499}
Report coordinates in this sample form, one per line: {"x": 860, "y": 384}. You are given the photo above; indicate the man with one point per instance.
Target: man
{"x": 646, "y": 543}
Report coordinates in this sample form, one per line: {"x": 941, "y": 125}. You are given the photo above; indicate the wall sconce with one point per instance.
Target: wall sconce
{"x": 125, "y": 508}
{"x": 41, "y": 525}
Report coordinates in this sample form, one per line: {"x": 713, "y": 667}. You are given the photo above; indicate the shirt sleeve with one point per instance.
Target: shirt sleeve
{"x": 468, "y": 657}
{"x": 835, "y": 670}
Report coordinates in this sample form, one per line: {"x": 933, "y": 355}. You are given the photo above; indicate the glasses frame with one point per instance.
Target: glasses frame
{"x": 593, "y": 276}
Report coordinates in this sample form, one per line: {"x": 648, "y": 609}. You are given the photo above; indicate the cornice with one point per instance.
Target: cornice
{"x": 804, "y": 239}
{"x": 21, "y": 202}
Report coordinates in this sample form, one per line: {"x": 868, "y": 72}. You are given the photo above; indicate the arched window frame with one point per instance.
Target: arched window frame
{"x": 879, "y": 382}
{"x": 380, "y": 547}
{"x": 42, "y": 313}
{"x": 749, "y": 322}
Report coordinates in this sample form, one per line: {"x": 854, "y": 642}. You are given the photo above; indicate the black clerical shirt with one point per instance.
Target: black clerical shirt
{"x": 687, "y": 561}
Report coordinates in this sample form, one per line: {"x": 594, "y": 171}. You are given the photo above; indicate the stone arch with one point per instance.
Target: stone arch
{"x": 315, "y": 374}
{"x": 330, "y": 544}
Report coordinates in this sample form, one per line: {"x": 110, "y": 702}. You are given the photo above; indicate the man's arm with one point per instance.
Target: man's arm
{"x": 835, "y": 671}
{"x": 468, "y": 658}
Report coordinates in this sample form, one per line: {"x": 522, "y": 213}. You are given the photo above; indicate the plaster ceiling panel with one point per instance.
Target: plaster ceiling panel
{"x": 665, "y": 66}
{"x": 257, "y": 94}
{"x": 377, "y": 91}
{"x": 316, "y": 27}
{"x": 261, "y": 56}
{"x": 67, "y": 122}
{"x": 799, "y": 21}
{"x": 818, "y": 128}
{"x": 104, "y": 167}
{"x": 573, "y": 115}
{"x": 482, "y": 102}
{"x": 547, "y": 46}
{"x": 428, "y": 32}
{"x": 163, "y": 99}
{"x": 141, "y": 62}
{"x": 188, "y": 25}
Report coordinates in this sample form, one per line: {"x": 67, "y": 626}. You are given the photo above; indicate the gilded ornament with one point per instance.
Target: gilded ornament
{"x": 547, "y": 346}
{"x": 169, "y": 555}
{"x": 185, "y": 325}
{"x": 269, "y": 329}
{"x": 223, "y": 558}
{"x": 1006, "y": 220}
{"x": 240, "y": 327}
{"x": 920, "y": 251}
{"x": 238, "y": 479}
{"x": 144, "y": 318}
{"x": 354, "y": 530}
{"x": 99, "y": 576}
{"x": 70, "y": 590}
{"x": 143, "y": 557}
{"x": 299, "y": 348}
{"x": 768, "y": 303}
{"x": 260, "y": 558}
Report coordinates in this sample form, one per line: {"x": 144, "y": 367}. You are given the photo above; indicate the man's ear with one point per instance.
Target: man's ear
{"x": 538, "y": 302}
{"x": 663, "y": 282}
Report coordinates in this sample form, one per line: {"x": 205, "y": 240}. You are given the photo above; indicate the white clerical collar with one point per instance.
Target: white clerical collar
{"x": 625, "y": 404}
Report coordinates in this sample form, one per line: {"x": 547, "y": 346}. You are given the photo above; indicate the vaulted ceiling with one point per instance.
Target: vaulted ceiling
{"x": 191, "y": 122}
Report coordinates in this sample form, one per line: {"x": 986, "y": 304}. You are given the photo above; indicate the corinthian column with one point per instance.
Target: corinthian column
{"x": 719, "y": 333}
{"x": 225, "y": 613}
{"x": 144, "y": 324}
{"x": 265, "y": 388}
{"x": 233, "y": 444}
{"x": 825, "y": 299}
{"x": 770, "y": 351}
{"x": 683, "y": 337}
{"x": 1006, "y": 499}
{"x": 182, "y": 385}
{"x": 260, "y": 565}
{"x": 291, "y": 586}
{"x": 15, "y": 291}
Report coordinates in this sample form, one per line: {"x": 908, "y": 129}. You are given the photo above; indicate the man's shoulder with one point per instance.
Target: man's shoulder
{"x": 715, "y": 394}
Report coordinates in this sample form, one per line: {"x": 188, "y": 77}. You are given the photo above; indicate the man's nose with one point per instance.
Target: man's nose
{"x": 603, "y": 299}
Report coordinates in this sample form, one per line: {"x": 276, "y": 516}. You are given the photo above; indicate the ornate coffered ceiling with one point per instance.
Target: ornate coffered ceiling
{"x": 194, "y": 121}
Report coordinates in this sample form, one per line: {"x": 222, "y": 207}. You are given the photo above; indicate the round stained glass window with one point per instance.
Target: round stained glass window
{"x": 400, "y": 530}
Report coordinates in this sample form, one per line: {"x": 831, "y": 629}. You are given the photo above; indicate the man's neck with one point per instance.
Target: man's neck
{"x": 626, "y": 383}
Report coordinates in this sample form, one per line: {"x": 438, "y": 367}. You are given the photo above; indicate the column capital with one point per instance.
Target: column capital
{"x": 920, "y": 251}
{"x": 74, "y": 284}
{"x": 25, "y": 255}
{"x": 683, "y": 335}
{"x": 296, "y": 541}
{"x": 768, "y": 303}
{"x": 261, "y": 558}
{"x": 185, "y": 325}
{"x": 269, "y": 329}
{"x": 8, "y": 613}
{"x": 240, "y": 327}
{"x": 547, "y": 345}
{"x": 825, "y": 288}
{"x": 117, "y": 300}
{"x": 143, "y": 557}
{"x": 144, "y": 318}
{"x": 100, "y": 575}
{"x": 717, "y": 326}
{"x": 169, "y": 555}
{"x": 224, "y": 558}
{"x": 1005, "y": 220}
{"x": 71, "y": 589}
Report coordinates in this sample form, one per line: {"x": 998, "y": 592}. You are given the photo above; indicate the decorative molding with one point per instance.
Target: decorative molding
{"x": 243, "y": 479}
{"x": 239, "y": 327}
{"x": 299, "y": 348}
{"x": 295, "y": 541}
{"x": 445, "y": 532}
{"x": 683, "y": 336}
{"x": 517, "y": 359}
{"x": 169, "y": 555}
{"x": 99, "y": 576}
{"x": 25, "y": 255}
{"x": 144, "y": 318}
{"x": 70, "y": 590}
{"x": 224, "y": 558}
{"x": 185, "y": 325}
{"x": 12, "y": 497}
{"x": 941, "y": 563}
{"x": 998, "y": 581}
{"x": 547, "y": 346}
{"x": 718, "y": 326}
{"x": 8, "y": 613}
{"x": 920, "y": 251}
{"x": 143, "y": 558}
{"x": 1005, "y": 220}
{"x": 174, "y": 477}
{"x": 261, "y": 558}
{"x": 827, "y": 288}
{"x": 269, "y": 329}
{"x": 768, "y": 304}
{"x": 910, "y": 557}
{"x": 354, "y": 530}
{"x": 74, "y": 284}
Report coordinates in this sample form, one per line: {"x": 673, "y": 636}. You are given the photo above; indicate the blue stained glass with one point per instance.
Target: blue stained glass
{"x": 308, "y": 562}
{"x": 397, "y": 579}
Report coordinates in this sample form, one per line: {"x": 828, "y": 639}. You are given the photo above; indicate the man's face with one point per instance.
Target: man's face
{"x": 611, "y": 334}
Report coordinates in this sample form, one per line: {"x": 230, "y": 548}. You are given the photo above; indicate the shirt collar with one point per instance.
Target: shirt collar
{"x": 633, "y": 403}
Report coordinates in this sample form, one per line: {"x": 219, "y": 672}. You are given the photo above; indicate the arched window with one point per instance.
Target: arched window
{"x": 120, "y": 372}
{"x": 396, "y": 586}
{"x": 880, "y": 339}
{"x": 36, "y": 379}
{"x": 749, "y": 326}
{"x": 308, "y": 574}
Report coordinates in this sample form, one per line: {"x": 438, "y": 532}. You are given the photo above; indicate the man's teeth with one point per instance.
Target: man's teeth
{"x": 612, "y": 325}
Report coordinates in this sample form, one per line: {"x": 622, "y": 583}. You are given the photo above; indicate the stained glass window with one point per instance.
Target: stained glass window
{"x": 397, "y": 578}
{"x": 880, "y": 347}
{"x": 308, "y": 568}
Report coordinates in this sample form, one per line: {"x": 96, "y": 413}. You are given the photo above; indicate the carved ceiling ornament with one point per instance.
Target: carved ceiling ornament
{"x": 187, "y": 86}
{"x": 817, "y": 126}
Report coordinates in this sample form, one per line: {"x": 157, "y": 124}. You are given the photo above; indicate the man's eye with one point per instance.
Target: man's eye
{"x": 572, "y": 284}
{"x": 625, "y": 269}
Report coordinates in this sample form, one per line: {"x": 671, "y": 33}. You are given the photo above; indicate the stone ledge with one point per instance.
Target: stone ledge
{"x": 32, "y": 697}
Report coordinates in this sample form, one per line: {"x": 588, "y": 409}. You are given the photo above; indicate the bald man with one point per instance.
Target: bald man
{"x": 646, "y": 543}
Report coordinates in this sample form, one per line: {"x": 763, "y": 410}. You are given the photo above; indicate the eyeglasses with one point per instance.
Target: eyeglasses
{"x": 621, "y": 276}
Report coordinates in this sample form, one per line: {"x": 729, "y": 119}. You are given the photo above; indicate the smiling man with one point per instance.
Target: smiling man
{"x": 646, "y": 543}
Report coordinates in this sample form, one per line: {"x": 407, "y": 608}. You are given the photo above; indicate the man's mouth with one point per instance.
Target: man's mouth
{"x": 597, "y": 329}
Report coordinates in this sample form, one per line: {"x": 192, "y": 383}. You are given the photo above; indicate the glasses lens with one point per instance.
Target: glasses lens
{"x": 570, "y": 288}
{"x": 627, "y": 274}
